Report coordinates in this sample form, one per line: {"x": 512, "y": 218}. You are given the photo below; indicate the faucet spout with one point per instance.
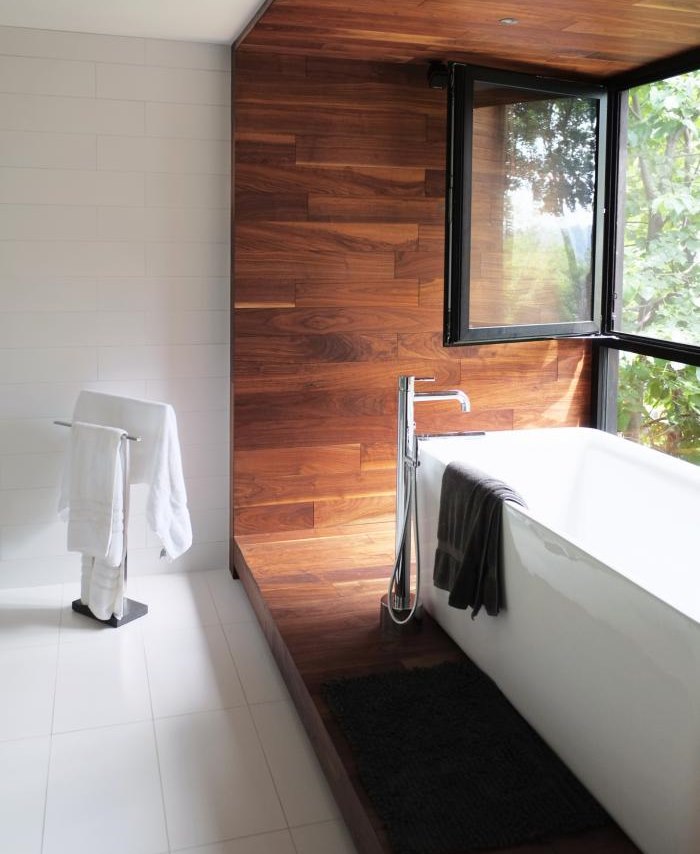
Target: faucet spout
{"x": 453, "y": 394}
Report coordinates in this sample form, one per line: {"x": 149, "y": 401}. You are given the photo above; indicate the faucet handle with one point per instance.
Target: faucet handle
{"x": 424, "y": 379}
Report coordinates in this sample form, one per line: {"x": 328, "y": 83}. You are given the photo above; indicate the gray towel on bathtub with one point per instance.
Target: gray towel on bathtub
{"x": 467, "y": 559}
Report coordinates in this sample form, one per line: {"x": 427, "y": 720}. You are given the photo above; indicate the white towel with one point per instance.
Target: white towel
{"x": 102, "y": 588}
{"x": 96, "y": 493}
{"x": 155, "y": 460}
{"x": 166, "y": 507}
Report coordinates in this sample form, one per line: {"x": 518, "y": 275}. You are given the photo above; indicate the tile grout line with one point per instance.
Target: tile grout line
{"x": 65, "y": 612}
{"x": 287, "y": 700}
{"x": 269, "y": 768}
{"x": 228, "y": 645}
{"x": 53, "y": 715}
{"x": 155, "y": 741}
{"x": 153, "y": 719}
{"x": 294, "y": 842}
{"x": 252, "y": 718}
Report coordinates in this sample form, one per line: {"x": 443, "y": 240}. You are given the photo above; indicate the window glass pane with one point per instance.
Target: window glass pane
{"x": 532, "y": 210}
{"x": 658, "y": 404}
{"x": 660, "y": 211}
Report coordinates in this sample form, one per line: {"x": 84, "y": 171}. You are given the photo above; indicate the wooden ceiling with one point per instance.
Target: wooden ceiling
{"x": 575, "y": 38}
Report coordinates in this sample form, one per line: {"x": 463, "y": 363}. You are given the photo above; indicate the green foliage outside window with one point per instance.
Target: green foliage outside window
{"x": 659, "y": 401}
{"x": 550, "y": 153}
{"x": 659, "y": 405}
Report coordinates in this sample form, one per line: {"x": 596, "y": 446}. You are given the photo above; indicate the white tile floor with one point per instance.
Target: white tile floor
{"x": 174, "y": 733}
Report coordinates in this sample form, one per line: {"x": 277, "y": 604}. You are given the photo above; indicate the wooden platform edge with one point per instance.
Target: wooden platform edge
{"x": 351, "y": 807}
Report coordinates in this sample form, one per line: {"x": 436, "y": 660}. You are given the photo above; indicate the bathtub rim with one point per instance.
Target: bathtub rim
{"x": 524, "y": 512}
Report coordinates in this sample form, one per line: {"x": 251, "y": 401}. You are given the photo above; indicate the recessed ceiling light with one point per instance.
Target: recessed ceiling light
{"x": 508, "y": 22}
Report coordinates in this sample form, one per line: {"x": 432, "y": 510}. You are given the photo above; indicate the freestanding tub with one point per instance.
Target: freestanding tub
{"x": 598, "y": 645}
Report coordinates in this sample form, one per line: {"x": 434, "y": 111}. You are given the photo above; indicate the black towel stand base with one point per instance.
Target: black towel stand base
{"x": 132, "y": 611}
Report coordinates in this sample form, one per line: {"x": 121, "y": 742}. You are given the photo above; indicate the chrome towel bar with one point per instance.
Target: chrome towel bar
{"x": 126, "y": 435}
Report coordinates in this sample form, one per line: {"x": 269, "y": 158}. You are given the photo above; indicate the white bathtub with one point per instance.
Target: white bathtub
{"x": 598, "y": 645}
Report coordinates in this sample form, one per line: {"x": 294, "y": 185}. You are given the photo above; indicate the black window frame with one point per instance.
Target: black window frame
{"x": 456, "y": 329}
{"x": 604, "y": 385}
{"x": 606, "y": 339}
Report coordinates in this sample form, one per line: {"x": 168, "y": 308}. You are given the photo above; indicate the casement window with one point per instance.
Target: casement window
{"x": 524, "y": 207}
{"x": 575, "y": 211}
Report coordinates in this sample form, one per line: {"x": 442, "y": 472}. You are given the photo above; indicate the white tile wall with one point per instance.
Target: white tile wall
{"x": 189, "y": 121}
{"x": 114, "y": 248}
{"x": 185, "y": 191}
{"x": 62, "y": 150}
{"x": 185, "y": 55}
{"x": 170, "y": 84}
{"x": 72, "y": 187}
{"x": 49, "y": 44}
{"x": 71, "y": 115}
{"x": 48, "y": 222}
{"x": 52, "y": 293}
{"x": 72, "y": 258}
{"x": 37, "y": 76}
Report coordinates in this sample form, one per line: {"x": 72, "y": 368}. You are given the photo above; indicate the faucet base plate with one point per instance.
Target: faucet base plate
{"x": 388, "y": 626}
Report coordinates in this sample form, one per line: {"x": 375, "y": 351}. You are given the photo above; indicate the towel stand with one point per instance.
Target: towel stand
{"x": 132, "y": 609}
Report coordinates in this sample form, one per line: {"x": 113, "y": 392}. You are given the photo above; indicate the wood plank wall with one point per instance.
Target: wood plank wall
{"x": 338, "y": 290}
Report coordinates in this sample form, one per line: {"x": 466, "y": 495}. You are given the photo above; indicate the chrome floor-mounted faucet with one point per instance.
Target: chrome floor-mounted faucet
{"x": 398, "y": 602}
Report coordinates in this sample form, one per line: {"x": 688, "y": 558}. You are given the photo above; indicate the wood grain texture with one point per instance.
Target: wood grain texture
{"x": 265, "y": 148}
{"x": 328, "y": 347}
{"x": 274, "y": 375}
{"x": 270, "y": 207}
{"x": 303, "y": 432}
{"x": 335, "y": 121}
{"x": 304, "y": 262}
{"x": 353, "y": 403}
{"x": 334, "y": 459}
{"x": 276, "y": 517}
{"x": 346, "y": 511}
{"x": 346, "y": 150}
{"x": 261, "y": 489}
{"x": 263, "y": 293}
{"x": 382, "y": 183}
{"x": 389, "y": 293}
{"x": 341, "y": 209}
{"x": 592, "y": 40}
{"x": 327, "y": 237}
{"x": 316, "y": 594}
{"x": 338, "y": 291}
{"x": 336, "y": 319}
{"x": 327, "y": 318}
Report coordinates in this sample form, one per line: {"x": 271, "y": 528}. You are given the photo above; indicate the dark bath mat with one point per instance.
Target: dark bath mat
{"x": 450, "y": 766}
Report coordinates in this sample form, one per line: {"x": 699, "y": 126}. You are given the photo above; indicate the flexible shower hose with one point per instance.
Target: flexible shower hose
{"x": 406, "y": 531}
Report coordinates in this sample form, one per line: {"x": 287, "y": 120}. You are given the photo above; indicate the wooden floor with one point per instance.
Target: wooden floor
{"x": 317, "y": 598}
